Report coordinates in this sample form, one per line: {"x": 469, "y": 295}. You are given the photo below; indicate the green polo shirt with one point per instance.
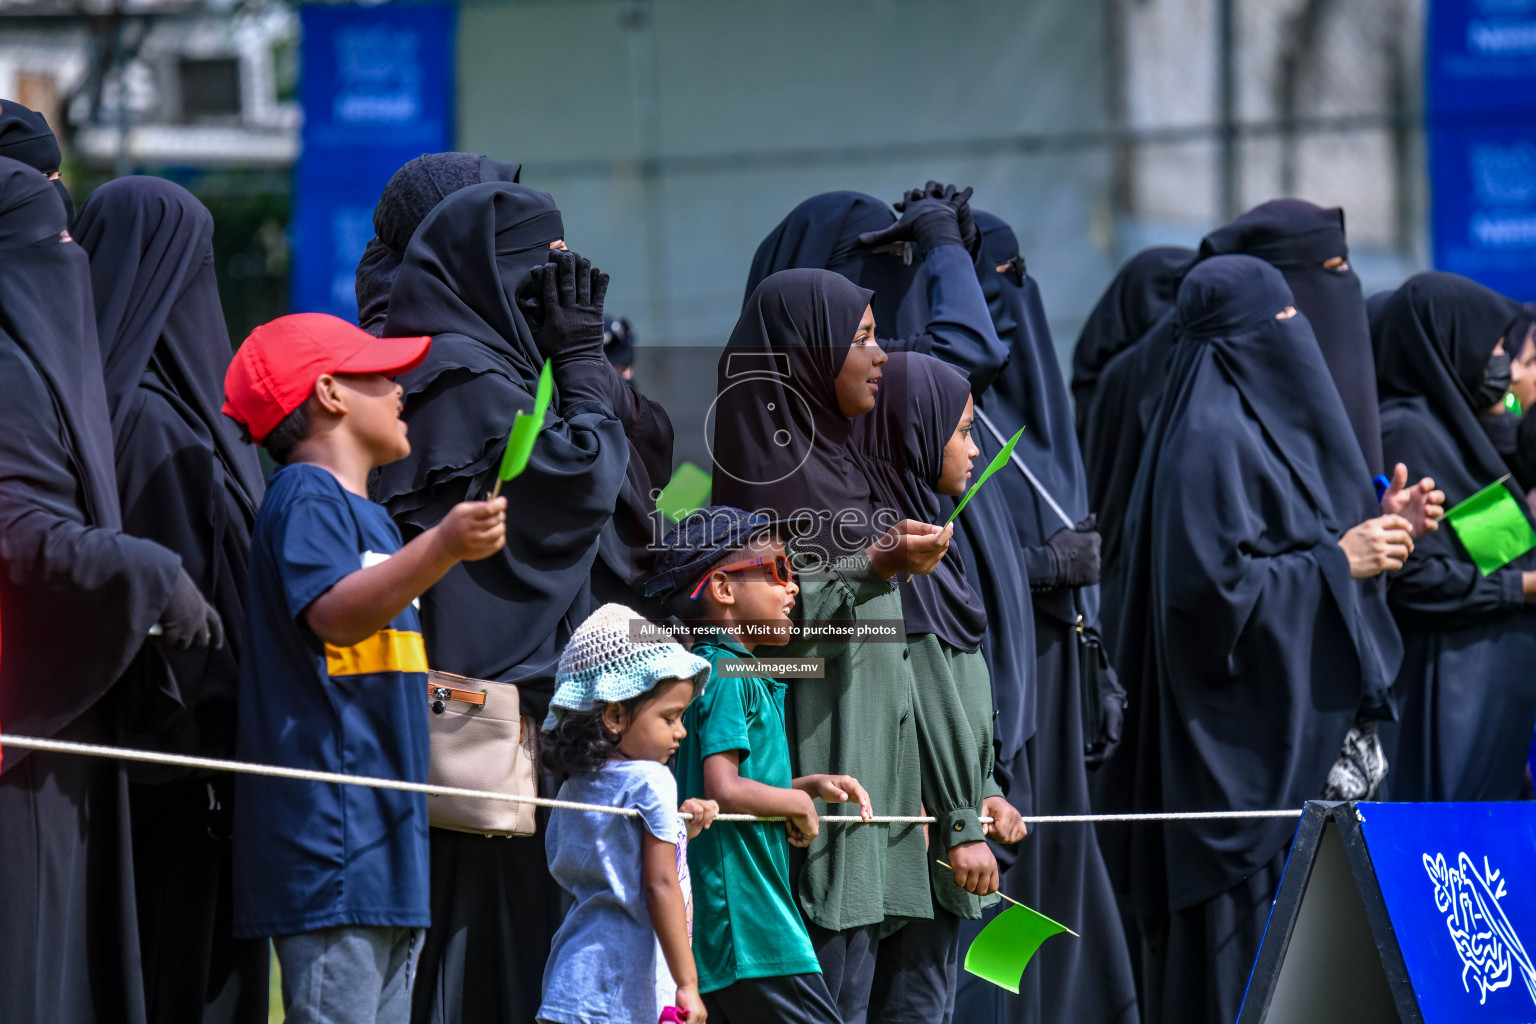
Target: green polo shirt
{"x": 745, "y": 924}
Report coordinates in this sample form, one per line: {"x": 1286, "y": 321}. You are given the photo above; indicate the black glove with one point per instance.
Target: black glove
{"x": 970, "y": 234}
{"x": 926, "y": 220}
{"x": 1070, "y": 558}
{"x": 563, "y": 305}
{"x": 189, "y": 620}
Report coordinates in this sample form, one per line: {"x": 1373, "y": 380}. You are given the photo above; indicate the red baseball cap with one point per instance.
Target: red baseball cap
{"x": 274, "y": 371}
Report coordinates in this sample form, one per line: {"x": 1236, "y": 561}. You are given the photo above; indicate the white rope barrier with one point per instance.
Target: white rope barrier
{"x": 308, "y": 775}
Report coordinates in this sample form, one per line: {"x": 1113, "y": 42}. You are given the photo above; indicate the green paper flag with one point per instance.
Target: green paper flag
{"x": 997, "y": 463}
{"x": 1004, "y": 948}
{"x": 688, "y": 491}
{"x": 1492, "y": 527}
{"x": 525, "y": 430}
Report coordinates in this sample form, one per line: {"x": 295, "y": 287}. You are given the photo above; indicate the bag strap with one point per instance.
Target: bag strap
{"x": 1033, "y": 482}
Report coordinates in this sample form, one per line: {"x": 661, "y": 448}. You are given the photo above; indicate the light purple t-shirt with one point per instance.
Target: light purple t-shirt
{"x": 605, "y": 966}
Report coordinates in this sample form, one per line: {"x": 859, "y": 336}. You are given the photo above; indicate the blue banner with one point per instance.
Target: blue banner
{"x": 376, "y": 84}
{"x": 1481, "y": 68}
{"x": 1459, "y": 882}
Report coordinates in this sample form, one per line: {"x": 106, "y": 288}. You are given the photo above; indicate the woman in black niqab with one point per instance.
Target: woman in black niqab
{"x": 1250, "y": 644}
{"x": 1466, "y": 696}
{"x": 411, "y": 193}
{"x": 505, "y": 619}
{"x": 77, "y": 600}
{"x": 1140, "y": 293}
{"x": 187, "y": 481}
{"x": 1059, "y": 871}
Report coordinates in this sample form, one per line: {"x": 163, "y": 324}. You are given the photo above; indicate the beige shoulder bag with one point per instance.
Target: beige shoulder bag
{"x": 480, "y": 740}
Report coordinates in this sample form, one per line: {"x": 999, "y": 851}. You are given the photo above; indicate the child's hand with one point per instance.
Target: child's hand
{"x": 703, "y": 812}
{"x": 1007, "y": 825}
{"x": 690, "y": 1005}
{"x": 473, "y": 530}
{"x": 910, "y": 547}
{"x": 975, "y": 868}
{"x": 836, "y": 789}
{"x": 803, "y": 825}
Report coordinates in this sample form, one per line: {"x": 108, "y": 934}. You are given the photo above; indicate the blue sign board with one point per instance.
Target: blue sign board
{"x": 1481, "y": 67}
{"x": 376, "y": 84}
{"x": 1459, "y": 883}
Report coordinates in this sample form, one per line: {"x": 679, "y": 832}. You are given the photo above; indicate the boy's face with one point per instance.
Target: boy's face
{"x": 374, "y": 404}
{"x": 654, "y": 730}
{"x": 754, "y": 595}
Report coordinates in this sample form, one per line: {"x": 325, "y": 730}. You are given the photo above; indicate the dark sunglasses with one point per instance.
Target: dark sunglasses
{"x": 778, "y": 565}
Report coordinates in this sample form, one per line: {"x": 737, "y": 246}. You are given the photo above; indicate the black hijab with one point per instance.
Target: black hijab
{"x": 1141, "y": 292}
{"x": 919, "y": 406}
{"x": 1297, "y": 238}
{"x": 409, "y": 196}
{"x": 1252, "y": 647}
{"x": 822, "y": 233}
{"x": 780, "y": 437}
{"x": 77, "y": 596}
{"x": 157, "y": 310}
{"x": 25, "y": 136}
{"x": 1433, "y": 340}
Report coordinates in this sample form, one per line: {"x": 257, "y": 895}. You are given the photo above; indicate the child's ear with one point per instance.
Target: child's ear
{"x": 613, "y": 718}
{"x": 329, "y": 394}
{"x": 720, "y": 589}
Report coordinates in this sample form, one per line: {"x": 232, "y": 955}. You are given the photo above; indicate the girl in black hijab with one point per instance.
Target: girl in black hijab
{"x": 1059, "y": 871}
{"x": 187, "y": 481}
{"x": 411, "y": 194}
{"x": 1141, "y": 292}
{"x": 1465, "y": 692}
{"x": 77, "y": 600}
{"x": 1256, "y": 630}
{"x": 918, "y": 445}
{"x": 25, "y": 136}
{"x": 494, "y": 905}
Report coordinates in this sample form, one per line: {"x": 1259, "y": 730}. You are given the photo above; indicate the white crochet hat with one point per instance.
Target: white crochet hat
{"x": 602, "y": 664}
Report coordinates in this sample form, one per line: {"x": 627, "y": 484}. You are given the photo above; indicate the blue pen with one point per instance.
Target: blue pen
{"x": 1382, "y": 483}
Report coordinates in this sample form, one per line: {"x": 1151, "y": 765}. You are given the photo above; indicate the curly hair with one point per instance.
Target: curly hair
{"x": 580, "y": 743}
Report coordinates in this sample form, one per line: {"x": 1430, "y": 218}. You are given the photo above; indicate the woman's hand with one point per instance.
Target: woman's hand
{"x": 975, "y": 868}
{"x": 703, "y": 812}
{"x": 1007, "y": 824}
{"x": 1421, "y": 504}
{"x": 910, "y": 547}
{"x": 1377, "y": 546}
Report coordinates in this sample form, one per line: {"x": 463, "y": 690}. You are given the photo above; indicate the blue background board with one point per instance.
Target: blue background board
{"x": 1459, "y": 881}
{"x": 1481, "y": 68}
{"x": 377, "y": 87}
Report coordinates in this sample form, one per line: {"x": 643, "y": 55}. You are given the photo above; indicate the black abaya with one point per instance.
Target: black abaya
{"x": 1466, "y": 695}
{"x": 1251, "y": 646}
{"x": 505, "y": 618}
{"x": 77, "y": 599}
{"x": 188, "y": 482}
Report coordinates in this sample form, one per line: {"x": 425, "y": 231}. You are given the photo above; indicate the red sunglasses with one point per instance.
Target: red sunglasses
{"x": 778, "y": 564}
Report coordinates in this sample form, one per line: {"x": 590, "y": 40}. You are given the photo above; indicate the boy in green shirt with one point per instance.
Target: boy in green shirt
{"x": 725, "y": 574}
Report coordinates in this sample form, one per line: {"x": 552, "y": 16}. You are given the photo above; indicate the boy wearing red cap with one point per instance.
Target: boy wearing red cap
{"x": 335, "y": 677}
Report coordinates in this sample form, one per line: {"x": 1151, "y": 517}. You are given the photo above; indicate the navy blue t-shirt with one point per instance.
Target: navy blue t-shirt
{"x": 311, "y": 855}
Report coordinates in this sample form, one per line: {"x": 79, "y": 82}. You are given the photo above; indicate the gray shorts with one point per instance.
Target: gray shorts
{"x": 349, "y": 974}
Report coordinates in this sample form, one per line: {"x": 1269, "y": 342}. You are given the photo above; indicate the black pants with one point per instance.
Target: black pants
{"x": 848, "y": 966}
{"x": 789, "y": 999}
{"x": 916, "y": 972}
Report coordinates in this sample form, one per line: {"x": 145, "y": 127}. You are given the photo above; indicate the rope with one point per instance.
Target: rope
{"x": 308, "y": 775}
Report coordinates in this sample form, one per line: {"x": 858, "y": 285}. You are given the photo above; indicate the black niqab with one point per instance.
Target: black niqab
{"x": 77, "y": 596}
{"x": 1297, "y": 238}
{"x": 410, "y": 195}
{"x": 919, "y": 406}
{"x": 780, "y": 439}
{"x": 25, "y": 136}
{"x": 1142, "y": 291}
{"x": 1251, "y": 647}
{"x": 823, "y": 233}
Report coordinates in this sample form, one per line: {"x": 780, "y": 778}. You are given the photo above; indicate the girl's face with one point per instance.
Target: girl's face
{"x": 1522, "y": 371}
{"x": 859, "y": 380}
{"x": 959, "y": 455}
{"x": 655, "y": 728}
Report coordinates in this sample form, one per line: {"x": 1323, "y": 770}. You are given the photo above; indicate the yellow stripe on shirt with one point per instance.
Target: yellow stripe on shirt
{"x": 388, "y": 650}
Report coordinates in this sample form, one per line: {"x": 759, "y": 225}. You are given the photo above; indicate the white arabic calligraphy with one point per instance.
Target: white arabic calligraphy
{"x": 1490, "y": 950}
